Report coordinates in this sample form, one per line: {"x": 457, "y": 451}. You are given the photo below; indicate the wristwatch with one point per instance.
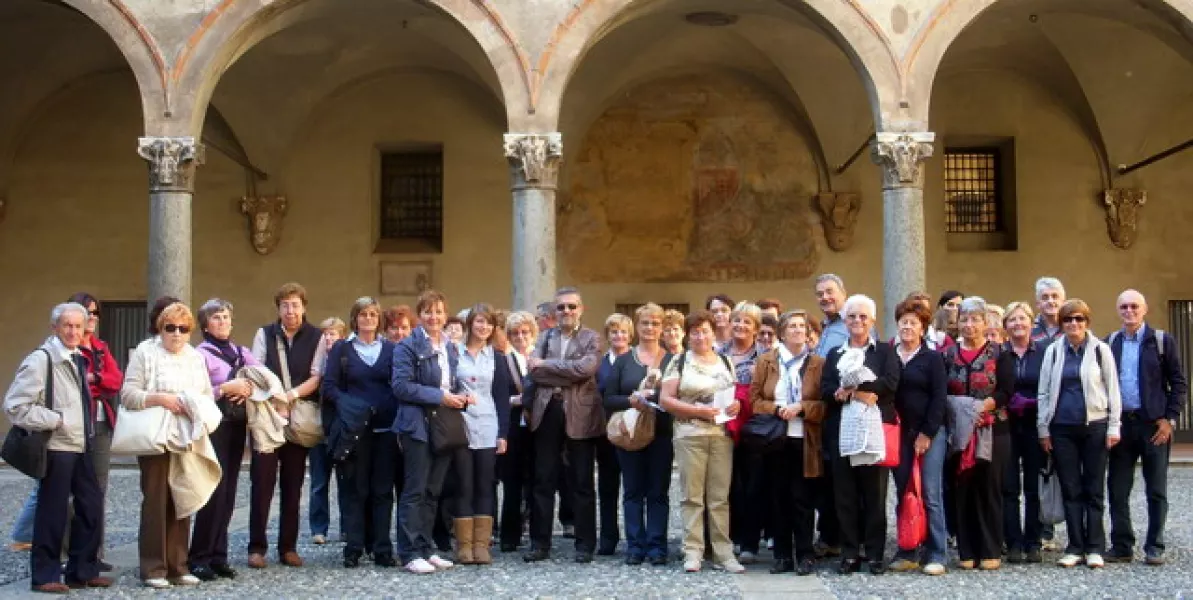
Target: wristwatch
{"x": 1172, "y": 422}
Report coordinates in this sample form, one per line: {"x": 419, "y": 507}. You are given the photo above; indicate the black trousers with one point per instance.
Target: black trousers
{"x": 792, "y": 500}
{"x": 477, "y": 470}
{"x": 608, "y": 492}
{"x": 978, "y": 494}
{"x": 1136, "y": 445}
{"x": 368, "y": 489}
{"x": 425, "y": 473}
{"x": 67, "y": 474}
{"x": 861, "y": 507}
{"x": 827, "y": 524}
{"x": 285, "y": 468}
{"x": 514, "y": 469}
{"x": 1024, "y": 462}
{"x": 753, "y": 483}
{"x": 209, "y": 542}
{"x": 1080, "y": 454}
{"x": 550, "y": 443}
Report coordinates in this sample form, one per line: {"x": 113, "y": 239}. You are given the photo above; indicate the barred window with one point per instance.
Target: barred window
{"x": 412, "y": 197}
{"x": 973, "y": 194}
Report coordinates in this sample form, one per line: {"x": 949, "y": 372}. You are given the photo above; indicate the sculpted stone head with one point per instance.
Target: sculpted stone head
{"x": 840, "y": 211}
{"x": 1122, "y": 215}
{"x": 265, "y": 221}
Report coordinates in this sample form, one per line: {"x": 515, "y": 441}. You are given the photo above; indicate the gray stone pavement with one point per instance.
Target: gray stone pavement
{"x": 509, "y": 577}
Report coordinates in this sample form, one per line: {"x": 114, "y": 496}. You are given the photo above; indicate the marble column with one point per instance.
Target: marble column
{"x": 534, "y": 171}
{"x": 901, "y": 156}
{"x": 172, "y": 162}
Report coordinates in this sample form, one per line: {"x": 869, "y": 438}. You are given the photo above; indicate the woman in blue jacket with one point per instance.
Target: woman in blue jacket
{"x": 424, "y": 377}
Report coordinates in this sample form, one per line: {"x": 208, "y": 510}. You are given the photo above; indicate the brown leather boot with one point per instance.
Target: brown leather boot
{"x": 463, "y": 529}
{"x": 482, "y": 538}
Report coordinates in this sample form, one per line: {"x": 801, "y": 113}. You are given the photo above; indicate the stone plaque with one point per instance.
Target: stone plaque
{"x": 405, "y": 277}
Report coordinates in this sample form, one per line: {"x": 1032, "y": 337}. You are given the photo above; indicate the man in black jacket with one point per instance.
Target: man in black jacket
{"x": 1153, "y": 389}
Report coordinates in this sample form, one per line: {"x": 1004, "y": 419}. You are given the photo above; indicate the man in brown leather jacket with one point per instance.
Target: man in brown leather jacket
{"x": 565, "y": 416}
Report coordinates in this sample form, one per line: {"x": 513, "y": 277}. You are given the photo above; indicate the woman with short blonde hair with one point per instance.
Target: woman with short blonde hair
{"x": 619, "y": 334}
{"x": 514, "y": 467}
{"x": 673, "y": 333}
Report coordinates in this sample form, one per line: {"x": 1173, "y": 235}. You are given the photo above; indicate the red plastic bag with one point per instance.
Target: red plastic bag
{"x": 890, "y": 435}
{"x": 912, "y": 522}
{"x": 741, "y": 393}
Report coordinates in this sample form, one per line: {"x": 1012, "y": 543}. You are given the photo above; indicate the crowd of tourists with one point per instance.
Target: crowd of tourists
{"x": 785, "y": 426}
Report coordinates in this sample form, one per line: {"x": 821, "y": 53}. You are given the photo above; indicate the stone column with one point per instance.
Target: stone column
{"x": 534, "y": 171}
{"x": 901, "y": 156}
{"x": 172, "y": 162}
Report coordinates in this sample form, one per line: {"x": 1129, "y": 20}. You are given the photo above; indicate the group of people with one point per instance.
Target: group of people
{"x": 782, "y": 424}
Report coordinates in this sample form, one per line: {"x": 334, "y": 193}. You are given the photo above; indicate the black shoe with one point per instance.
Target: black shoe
{"x": 607, "y": 550}
{"x": 1119, "y": 557}
{"x": 106, "y": 567}
{"x": 634, "y": 560}
{"x": 385, "y": 560}
{"x": 849, "y": 565}
{"x": 508, "y": 547}
{"x": 203, "y": 572}
{"x": 877, "y": 567}
{"x": 1154, "y": 558}
{"x": 1033, "y": 556}
{"x": 807, "y": 566}
{"x": 782, "y": 565}
{"x": 583, "y": 557}
{"x": 351, "y": 561}
{"x": 658, "y": 561}
{"x": 1014, "y": 556}
{"x": 536, "y": 555}
{"x": 569, "y": 531}
{"x": 224, "y": 571}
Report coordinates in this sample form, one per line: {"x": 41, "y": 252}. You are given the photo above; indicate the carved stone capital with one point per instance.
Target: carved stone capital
{"x": 1122, "y": 214}
{"x": 172, "y": 162}
{"x": 534, "y": 158}
{"x": 265, "y": 214}
{"x": 901, "y": 156}
{"x": 839, "y": 216}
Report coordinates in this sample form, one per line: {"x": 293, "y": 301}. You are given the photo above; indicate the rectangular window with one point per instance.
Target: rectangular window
{"x": 1180, "y": 326}
{"x": 412, "y": 198}
{"x": 973, "y": 191}
{"x": 123, "y": 324}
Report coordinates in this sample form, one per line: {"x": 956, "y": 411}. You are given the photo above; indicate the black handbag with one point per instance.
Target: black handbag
{"x": 446, "y": 428}
{"x": 26, "y": 450}
{"x": 764, "y": 432}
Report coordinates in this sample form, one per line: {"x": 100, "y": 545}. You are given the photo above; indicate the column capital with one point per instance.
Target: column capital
{"x": 534, "y": 158}
{"x": 901, "y": 156}
{"x": 172, "y": 162}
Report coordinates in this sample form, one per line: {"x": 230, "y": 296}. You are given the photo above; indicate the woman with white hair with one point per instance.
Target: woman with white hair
{"x": 514, "y": 467}
{"x": 980, "y": 382}
{"x": 873, "y": 383}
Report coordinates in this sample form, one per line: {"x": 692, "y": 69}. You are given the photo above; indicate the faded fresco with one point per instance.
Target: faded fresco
{"x": 691, "y": 179}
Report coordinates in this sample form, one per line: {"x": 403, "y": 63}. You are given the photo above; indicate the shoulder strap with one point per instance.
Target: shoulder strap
{"x": 49, "y": 393}
{"x": 283, "y": 362}
{"x": 1113, "y": 336}
{"x": 547, "y": 344}
{"x": 516, "y": 370}
{"x": 679, "y": 365}
{"x": 1160, "y": 343}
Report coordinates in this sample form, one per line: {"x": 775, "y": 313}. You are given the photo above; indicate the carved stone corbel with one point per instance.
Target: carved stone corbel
{"x": 839, "y": 211}
{"x": 901, "y": 156}
{"x": 534, "y": 157}
{"x": 172, "y": 162}
{"x": 265, "y": 216}
{"x": 1122, "y": 214}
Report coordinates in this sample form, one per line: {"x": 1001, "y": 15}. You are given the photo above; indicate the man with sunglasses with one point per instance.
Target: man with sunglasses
{"x": 565, "y": 415}
{"x": 1153, "y": 387}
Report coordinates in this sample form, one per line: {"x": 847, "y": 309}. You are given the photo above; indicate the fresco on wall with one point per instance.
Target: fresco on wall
{"x": 691, "y": 179}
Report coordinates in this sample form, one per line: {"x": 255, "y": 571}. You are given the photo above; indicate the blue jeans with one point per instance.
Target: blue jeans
{"x": 932, "y": 487}
{"x": 22, "y": 529}
{"x": 646, "y": 474}
{"x": 320, "y": 505}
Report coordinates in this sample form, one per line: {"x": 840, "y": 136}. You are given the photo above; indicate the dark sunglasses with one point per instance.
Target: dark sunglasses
{"x": 94, "y": 313}
{"x": 563, "y": 307}
{"x": 1128, "y": 307}
{"x": 1073, "y": 319}
{"x": 172, "y": 328}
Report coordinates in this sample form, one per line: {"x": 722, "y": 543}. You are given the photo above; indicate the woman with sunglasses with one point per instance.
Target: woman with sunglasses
{"x": 1080, "y": 412}
{"x": 619, "y": 333}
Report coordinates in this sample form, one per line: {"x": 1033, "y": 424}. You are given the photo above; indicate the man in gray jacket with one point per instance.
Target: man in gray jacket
{"x": 70, "y": 469}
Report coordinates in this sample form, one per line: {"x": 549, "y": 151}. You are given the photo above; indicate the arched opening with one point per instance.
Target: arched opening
{"x": 698, "y": 140}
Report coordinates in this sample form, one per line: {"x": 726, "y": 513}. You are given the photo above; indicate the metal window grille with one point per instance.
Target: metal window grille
{"x": 122, "y": 325}
{"x": 628, "y": 308}
{"x": 973, "y": 198}
{"x": 1180, "y": 321}
{"x": 412, "y": 196}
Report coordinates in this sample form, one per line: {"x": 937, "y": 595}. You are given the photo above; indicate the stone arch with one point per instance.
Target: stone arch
{"x": 924, "y": 56}
{"x": 234, "y": 26}
{"x": 857, "y": 34}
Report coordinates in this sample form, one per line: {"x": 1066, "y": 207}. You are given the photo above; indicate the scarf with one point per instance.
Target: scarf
{"x": 228, "y": 351}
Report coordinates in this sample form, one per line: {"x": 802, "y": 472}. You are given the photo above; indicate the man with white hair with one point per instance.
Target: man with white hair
{"x": 1050, "y": 295}
{"x": 1153, "y": 388}
{"x": 50, "y": 393}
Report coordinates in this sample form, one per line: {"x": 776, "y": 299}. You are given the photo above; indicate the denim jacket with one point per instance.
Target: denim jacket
{"x": 415, "y": 382}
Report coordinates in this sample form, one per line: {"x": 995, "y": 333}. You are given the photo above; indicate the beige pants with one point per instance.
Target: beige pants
{"x": 705, "y": 471}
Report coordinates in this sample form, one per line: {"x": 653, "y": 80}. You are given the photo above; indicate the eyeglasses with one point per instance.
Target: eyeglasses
{"x": 1128, "y": 307}
{"x": 563, "y": 307}
{"x": 94, "y": 313}
{"x": 858, "y": 317}
{"x": 1073, "y": 319}
{"x": 766, "y": 334}
{"x": 172, "y": 328}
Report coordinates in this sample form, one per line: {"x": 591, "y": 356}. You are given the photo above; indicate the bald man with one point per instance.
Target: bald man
{"x": 1153, "y": 389}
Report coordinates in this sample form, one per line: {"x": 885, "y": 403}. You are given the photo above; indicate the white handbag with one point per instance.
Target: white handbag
{"x": 141, "y": 432}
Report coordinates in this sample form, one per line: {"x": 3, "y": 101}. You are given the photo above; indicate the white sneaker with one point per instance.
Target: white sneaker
{"x": 1094, "y": 561}
{"x": 731, "y": 566}
{"x": 319, "y": 539}
{"x": 157, "y": 583}
{"x": 440, "y": 563}
{"x": 187, "y": 579}
{"x": 692, "y": 564}
{"x": 420, "y": 566}
{"x": 1069, "y": 560}
{"x": 934, "y": 569}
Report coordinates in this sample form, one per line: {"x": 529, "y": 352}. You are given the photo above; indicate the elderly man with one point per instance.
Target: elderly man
{"x": 565, "y": 416}
{"x": 1153, "y": 389}
{"x": 50, "y": 393}
{"x": 830, "y": 296}
{"x": 1050, "y": 295}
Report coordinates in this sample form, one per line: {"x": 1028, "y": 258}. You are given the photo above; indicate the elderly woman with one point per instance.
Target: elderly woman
{"x": 745, "y": 521}
{"x": 1080, "y": 412}
{"x": 698, "y": 391}
{"x": 619, "y": 333}
{"x": 859, "y": 491}
{"x": 671, "y": 337}
{"x": 646, "y": 472}
{"x": 399, "y": 322}
{"x": 223, "y": 360}
{"x": 168, "y": 372}
{"x": 920, "y": 404}
{"x": 514, "y": 466}
{"x": 980, "y": 383}
{"x": 357, "y": 376}
{"x": 424, "y": 377}
{"x": 319, "y": 514}
{"x": 1022, "y": 536}
{"x": 721, "y": 308}
{"x": 787, "y": 385}
{"x": 995, "y": 334}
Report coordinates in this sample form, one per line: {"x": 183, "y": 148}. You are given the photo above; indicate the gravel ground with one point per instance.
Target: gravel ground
{"x": 608, "y": 578}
